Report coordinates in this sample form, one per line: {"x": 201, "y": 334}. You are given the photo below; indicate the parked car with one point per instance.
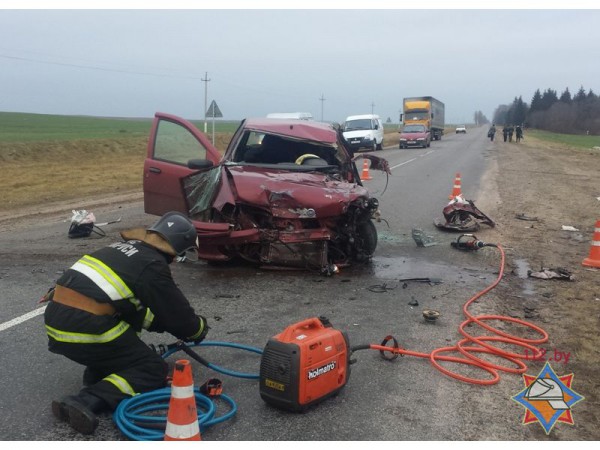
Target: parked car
{"x": 285, "y": 192}
{"x": 364, "y": 131}
{"x": 461, "y": 129}
{"x": 415, "y": 135}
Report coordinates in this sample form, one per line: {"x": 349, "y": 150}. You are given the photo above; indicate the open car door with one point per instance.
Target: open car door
{"x": 176, "y": 148}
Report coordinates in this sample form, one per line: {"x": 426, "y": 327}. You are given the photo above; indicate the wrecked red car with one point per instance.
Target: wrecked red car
{"x": 286, "y": 193}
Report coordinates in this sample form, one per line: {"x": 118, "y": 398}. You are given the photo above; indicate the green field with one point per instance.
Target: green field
{"x": 572, "y": 140}
{"x": 24, "y": 127}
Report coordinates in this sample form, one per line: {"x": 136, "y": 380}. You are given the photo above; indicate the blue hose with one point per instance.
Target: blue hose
{"x": 130, "y": 416}
{"x": 139, "y": 417}
{"x": 221, "y": 369}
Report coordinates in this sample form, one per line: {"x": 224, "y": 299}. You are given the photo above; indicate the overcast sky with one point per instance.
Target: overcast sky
{"x": 133, "y": 63}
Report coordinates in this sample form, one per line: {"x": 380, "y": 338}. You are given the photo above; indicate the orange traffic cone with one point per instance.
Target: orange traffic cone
{"x": 594, "y": 259}
{"x": 182, "y": 418}
{"x": 455, "y": 188}
{"x": 365, "y": 172}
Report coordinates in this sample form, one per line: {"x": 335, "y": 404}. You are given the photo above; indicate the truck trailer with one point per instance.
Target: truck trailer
{"x": 427, "y": 111}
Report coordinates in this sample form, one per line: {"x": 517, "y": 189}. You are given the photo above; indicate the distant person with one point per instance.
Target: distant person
{"x": 505, "y": 133}
{"x": 511, "y": 131}
{"x": 519, "y": 133}
{"x": 492, "y": 132}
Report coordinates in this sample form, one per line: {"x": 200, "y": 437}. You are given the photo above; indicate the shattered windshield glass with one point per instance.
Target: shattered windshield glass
{"x": 200, "y": 190}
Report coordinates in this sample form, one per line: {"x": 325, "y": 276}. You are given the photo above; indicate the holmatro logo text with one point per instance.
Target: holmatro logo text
{"x": 312, "y": 374}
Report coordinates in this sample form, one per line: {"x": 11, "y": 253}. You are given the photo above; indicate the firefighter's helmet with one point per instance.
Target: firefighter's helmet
{"x": 178, "y": 231}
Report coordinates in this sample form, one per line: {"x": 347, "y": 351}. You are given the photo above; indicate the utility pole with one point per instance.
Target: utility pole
{"x": 206, "y": 80}
{"x": 372, "y": 107}
{"x": 322, "y": 101}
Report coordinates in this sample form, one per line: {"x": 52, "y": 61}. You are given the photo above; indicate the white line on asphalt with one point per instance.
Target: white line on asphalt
{"x": 401, "y": 164}
{"x": 23, "y": 318}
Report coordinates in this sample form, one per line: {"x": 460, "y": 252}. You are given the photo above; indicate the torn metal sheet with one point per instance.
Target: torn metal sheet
{"x": 558, "y": 273}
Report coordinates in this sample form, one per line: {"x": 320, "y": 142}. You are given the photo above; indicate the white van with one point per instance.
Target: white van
{"x": 364, "y": 131}
{"x": 292, "y": 115}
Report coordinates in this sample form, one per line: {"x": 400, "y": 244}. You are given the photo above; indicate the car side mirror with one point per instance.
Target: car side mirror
{"x": 198, "y": 164}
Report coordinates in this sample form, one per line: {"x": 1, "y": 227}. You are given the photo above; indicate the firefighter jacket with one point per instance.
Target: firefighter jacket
{"x": 136, "y": 279}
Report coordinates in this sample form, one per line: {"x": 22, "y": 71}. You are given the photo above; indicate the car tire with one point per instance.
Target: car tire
{"x": 378, "y": 146}
{"x": 368, "y": 234}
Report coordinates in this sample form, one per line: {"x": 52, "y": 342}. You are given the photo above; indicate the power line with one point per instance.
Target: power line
{"x": 103, "y": 69}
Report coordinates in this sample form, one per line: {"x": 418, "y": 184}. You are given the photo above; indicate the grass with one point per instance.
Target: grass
{"x": 24, "y": 127}
{"x": 571, "y": 140}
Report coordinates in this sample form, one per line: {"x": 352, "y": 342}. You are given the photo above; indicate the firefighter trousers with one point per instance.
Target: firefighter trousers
{"x": 118, "y": 363}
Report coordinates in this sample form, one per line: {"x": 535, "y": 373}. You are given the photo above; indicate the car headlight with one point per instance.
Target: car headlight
{"x": 420, "y": 139}
{"x": 402, "y": 139}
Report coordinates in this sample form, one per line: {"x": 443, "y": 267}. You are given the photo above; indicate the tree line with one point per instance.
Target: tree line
{"x": 578, "y": 114}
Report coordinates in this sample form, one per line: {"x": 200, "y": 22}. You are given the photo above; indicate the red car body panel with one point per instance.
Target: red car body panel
{"x": 301, "y": 129}
{"x": 414, "y": 136}
{"x": 285, "y": 194}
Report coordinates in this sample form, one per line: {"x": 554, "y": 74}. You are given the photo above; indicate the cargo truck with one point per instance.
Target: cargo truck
{"x": 426, "y": 111}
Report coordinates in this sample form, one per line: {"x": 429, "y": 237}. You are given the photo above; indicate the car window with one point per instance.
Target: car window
{"x": 174, "y": 143}
{"x": 358, "y": 124}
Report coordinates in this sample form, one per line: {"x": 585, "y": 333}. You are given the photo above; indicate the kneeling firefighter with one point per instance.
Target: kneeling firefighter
{"x": 100, "y": 305}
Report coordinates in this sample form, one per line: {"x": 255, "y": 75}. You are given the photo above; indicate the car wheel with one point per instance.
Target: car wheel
{"x": 374, "y": 147}
{"x": 379, "y": 146}
{"x": 429, "y": 144}
{"x": 368, "y": 236}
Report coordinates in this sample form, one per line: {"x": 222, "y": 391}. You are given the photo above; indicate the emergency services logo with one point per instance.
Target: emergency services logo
{"x": 548, "y": 398}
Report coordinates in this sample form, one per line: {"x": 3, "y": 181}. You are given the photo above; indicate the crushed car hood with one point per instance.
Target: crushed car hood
{"x": 293, "y": 195}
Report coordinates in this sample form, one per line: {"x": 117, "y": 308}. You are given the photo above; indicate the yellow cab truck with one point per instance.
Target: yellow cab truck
{"x": 425, "y": 111}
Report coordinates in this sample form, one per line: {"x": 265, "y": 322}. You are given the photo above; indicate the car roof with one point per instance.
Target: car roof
{"x": 292, "y": 115}
{"x": 363, "y": 116}
{"x": 295, "y": 128}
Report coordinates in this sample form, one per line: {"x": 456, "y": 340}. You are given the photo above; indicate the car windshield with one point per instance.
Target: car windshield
{"x": 358, "y": 124}
{"x": 414, "y": 129}
{"x": 410, "y": 115}
{"x": 257, "y": 147}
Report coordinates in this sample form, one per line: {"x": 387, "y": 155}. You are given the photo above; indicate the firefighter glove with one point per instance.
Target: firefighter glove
{"x": 203, "y": 330}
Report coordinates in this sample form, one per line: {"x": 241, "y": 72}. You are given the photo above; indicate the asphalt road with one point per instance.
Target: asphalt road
{"x": 402, "y": 400}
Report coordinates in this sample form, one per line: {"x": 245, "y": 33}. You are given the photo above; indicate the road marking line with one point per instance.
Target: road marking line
{"x": 401, "y": 164}
{"x": 23, "y": 318}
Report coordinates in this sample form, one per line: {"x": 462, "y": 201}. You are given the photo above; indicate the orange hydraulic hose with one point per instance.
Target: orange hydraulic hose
{"x": 481, "y": 344}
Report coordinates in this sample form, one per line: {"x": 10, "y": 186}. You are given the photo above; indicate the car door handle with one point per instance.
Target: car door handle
{"x": 155, "y": 170}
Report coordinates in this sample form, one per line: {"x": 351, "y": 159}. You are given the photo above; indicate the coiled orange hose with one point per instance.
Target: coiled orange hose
{"x": 481, "y": 344}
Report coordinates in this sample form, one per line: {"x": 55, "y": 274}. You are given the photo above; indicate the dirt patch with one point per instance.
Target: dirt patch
{"x": 554, "y": 186}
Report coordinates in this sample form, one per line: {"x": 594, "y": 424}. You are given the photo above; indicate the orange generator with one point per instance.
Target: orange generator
{"x": 305, "y": 364}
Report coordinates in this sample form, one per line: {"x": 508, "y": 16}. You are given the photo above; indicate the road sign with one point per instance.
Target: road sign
{"x": 213, "y": 110}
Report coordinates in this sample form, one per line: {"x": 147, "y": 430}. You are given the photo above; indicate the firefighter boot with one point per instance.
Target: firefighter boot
{"x": 79, "y": 411}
